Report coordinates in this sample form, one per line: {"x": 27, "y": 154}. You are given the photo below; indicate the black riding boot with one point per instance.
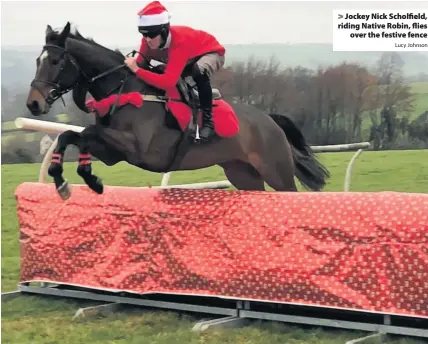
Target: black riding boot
{"x": 205, "y": 99}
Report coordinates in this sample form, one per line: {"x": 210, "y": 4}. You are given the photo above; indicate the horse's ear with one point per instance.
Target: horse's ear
{"x": 49, "y": 30}
{"x": 64, "y": 34}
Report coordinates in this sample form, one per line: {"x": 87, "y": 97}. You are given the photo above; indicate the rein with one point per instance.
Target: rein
{"x": 59, "y": 90}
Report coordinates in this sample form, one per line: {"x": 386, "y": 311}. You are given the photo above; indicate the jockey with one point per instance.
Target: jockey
{"x": 180, "y": 48}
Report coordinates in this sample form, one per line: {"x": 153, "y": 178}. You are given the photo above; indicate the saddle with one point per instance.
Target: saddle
{"x": 186, "y": 88}
{"x": 190, "y": 97}
{"x": 188, "y": 92}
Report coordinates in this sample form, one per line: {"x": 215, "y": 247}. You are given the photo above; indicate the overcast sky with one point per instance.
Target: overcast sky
{"x": 114, "y": 23}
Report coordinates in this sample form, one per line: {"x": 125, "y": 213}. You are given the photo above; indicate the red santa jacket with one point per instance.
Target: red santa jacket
{"x": 186, "y": 43}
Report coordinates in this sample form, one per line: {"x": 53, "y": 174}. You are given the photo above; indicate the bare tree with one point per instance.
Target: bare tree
{"x": 392, "y": 101}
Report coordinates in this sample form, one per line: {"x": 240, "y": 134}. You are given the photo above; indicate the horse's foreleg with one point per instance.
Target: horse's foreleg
{"x": 85, "y": 167}
{"x": 55, "y": 169}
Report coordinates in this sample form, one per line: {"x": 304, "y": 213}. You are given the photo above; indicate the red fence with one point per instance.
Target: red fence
{"x": 358, "y": 251}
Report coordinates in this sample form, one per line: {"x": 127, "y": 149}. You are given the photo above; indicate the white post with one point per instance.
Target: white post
{"x": 165, "y": 179}
{"x": 46, "y": 161}
{"x": 349, "y": 170}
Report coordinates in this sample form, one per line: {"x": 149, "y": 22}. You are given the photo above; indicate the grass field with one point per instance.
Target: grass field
{"x": 420, "y": 103}
{"x": 40, "y": 320}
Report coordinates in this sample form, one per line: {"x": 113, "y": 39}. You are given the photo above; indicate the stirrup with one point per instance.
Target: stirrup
{"x": 197, "y": 137}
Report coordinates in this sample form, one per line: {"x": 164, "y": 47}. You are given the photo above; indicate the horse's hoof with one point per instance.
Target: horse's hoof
{"x": 96, "y": 185}
{"x": 64, "y": 190}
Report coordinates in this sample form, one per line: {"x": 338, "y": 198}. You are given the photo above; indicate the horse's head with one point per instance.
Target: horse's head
{"x": 70, "y": 61}
{"x": 57, "y": 72}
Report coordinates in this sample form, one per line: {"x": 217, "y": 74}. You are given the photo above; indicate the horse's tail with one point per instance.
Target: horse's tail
{"x": 309, "y": 171}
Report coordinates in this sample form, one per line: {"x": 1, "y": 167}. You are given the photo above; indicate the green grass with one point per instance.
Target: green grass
{"x": 420, "y": 103}
{"x": 40, "y": 320}
{"x": 420, "y": 87}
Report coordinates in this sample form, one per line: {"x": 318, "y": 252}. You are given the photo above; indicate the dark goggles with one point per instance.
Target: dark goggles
{"x": 151, "y": 32}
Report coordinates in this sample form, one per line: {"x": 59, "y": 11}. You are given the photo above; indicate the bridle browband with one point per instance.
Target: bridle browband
{"x": 59, "y": 90}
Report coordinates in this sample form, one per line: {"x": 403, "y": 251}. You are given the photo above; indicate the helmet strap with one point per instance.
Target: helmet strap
{"x": 165, "y": 36}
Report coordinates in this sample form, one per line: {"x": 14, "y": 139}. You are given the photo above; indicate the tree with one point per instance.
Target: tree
{"x": 391, "y": 101}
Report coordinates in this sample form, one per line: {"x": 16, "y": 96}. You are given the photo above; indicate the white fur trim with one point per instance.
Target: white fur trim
{"x": 154, "y": 19}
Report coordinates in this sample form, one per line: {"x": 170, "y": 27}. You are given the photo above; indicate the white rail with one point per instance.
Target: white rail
{"x": 45, "y": 126}
{"x": 58, "y": 128}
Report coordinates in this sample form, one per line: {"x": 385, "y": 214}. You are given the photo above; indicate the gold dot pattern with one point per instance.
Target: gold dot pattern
{"x": 362, "y": 251}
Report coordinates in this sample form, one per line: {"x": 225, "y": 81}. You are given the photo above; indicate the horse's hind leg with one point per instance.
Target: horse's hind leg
{"x": 280, "y": 177}
{"x": 243, "y": 176}
{"x": 277, "y": 170}
{"x": 276, "y": 166}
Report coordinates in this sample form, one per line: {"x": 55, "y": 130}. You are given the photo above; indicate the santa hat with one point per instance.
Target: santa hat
{"x": 153, "y": 14}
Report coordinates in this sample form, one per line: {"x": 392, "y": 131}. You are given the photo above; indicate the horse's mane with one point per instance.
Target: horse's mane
{"x": 116, "y": 55}
{"x": 75, "y": 34}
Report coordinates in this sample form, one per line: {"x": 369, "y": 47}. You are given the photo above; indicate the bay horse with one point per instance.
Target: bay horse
{"x": 266, "y": 148}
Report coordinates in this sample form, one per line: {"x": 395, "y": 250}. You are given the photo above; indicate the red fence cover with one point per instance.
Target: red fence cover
{"x": 358, "y": 251}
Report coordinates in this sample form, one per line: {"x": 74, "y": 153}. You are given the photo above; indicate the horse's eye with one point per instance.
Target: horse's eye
{"x": 55, "y": 61}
